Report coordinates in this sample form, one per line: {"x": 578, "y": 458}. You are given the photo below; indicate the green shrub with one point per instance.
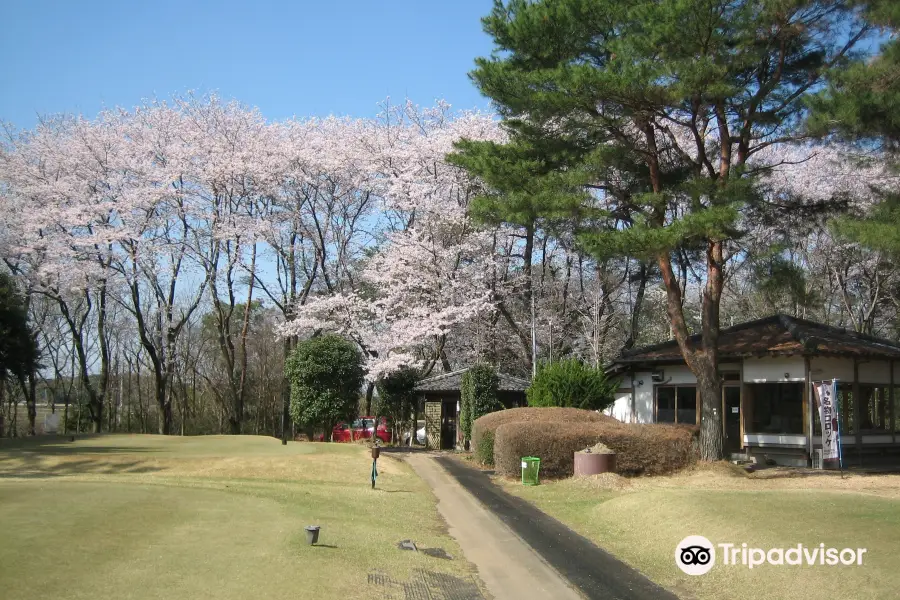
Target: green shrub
{"x": 571, "y": 383}
{"x": 484, "y": 448}
{"x": 397, "y": 397}
{"x": 483, "y": 429}
{"x": 640, "y": 449}
{"x": 478, "y": 396}
{"x": 325, "y": 374}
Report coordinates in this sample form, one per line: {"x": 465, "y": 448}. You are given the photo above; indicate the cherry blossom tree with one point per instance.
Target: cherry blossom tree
{"x": 142, "y": 236}
{"x": 426, "y": 276}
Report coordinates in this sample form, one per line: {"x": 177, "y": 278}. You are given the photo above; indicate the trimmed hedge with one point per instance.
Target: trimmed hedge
{"x": 483, "y": 430}
{"x": 641, "y": 449}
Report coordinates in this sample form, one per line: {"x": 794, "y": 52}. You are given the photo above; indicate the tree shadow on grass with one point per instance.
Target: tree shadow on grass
{"x": 33, "y": 465}
{"x": 61, "y": 446}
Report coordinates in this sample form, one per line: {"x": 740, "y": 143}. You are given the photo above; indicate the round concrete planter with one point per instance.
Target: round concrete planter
{"x": 592, "y": 464}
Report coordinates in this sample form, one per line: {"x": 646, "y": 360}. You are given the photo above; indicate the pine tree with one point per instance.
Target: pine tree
{"x": 667, "y": 105}
{"x": 862, "y": 104}
{"x": 527, "y": 186}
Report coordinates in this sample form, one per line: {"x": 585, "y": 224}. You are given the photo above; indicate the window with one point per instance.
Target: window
{"x": 897, "y": 409}
{"x": 731, "y": 376}
{"x": 777, "y": 407}
{"x": 665, "y": 405}
{"x": 873, "y": 406}
{"x": 845, "y": 405}
{"x": 676, "y": 404}
{"x": 686, "y": 404}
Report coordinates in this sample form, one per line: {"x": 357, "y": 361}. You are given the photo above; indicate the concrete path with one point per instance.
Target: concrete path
{"x": 591, "y": 570}
{"x": 520, "y": 551}
{"x": 508, "y": 566}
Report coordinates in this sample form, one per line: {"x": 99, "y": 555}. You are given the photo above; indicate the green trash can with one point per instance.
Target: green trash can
{"x": 531, "y": 466}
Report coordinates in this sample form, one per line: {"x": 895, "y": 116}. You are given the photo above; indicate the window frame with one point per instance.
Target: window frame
{"x": 754, "y": 389}
{"x": 675, "y": 387}
{"x": 871, "y": 388}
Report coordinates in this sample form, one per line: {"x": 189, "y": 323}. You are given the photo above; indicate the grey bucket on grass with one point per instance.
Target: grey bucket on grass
{"x": 312, "y": 534}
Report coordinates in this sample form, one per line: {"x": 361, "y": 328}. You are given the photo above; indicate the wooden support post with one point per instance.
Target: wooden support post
{"x": 856, "y": 409}
{"x": 808, "y": 416}
{"x": 743, "y": 407}
{"x": 892, "y": 415}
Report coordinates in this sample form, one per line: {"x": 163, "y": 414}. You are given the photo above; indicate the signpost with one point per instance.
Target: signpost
{"x": 376, "y": 451}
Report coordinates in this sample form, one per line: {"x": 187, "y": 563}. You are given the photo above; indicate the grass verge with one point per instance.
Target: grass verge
{"x": 641, "y": 521}
{"x": 140, "y": 517}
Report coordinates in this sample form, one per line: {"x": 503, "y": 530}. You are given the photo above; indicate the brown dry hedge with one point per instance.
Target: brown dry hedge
{"x": 641, "y": 449}
{"x": 484, "y": 428}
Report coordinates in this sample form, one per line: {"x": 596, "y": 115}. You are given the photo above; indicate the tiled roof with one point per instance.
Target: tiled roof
{"x": 778, "y": 335}
{"x": 450, "y": 382}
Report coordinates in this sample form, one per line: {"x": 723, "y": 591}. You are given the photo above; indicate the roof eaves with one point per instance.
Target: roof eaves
{"x": 434, "y": 378}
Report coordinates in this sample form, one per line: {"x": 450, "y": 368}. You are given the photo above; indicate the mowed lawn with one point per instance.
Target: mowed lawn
{"x": 131, "y": 516}
{"x": 641, "y": 521}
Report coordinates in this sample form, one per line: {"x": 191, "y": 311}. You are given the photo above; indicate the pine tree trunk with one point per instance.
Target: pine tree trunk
{"x": 711, "y": 428}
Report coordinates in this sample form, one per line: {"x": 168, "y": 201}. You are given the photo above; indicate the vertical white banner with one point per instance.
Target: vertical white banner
{"x": 828, "y": 416}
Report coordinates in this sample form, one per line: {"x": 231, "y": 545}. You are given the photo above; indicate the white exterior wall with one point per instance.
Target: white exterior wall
{"x": 772, "y": 370}
{"x": 643, "y": 397}
{"x": 677, "y": 375}
{"x": 876, "y": 371}
{"x": 831, "y": 368}
{"x": 644, "y": 387}
{"x": 621, "y": 408}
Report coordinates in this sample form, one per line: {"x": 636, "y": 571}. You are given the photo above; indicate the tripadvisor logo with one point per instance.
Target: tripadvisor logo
{"x": 696, "y": 555}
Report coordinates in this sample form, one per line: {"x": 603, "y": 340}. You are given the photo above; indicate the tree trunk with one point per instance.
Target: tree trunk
{"x": 286, "y": 394}
{"x": 28, "y": 392}
{"x": 163, "y": 406}
{"x": 2, "y": 386}
{"x": 636, "y": 309}
{"x": 235, "y": 421}
{"x": 704, "y": 361}
{"x": 164, "y": 417}
{"x": 528, "y": 300}
{"x": 14, "y": 421}
{"x": 711, "y": 429}
{"x": 370, "y": 389}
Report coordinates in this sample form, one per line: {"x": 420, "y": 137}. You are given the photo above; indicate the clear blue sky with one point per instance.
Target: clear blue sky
{"x": 298, "y": 58}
